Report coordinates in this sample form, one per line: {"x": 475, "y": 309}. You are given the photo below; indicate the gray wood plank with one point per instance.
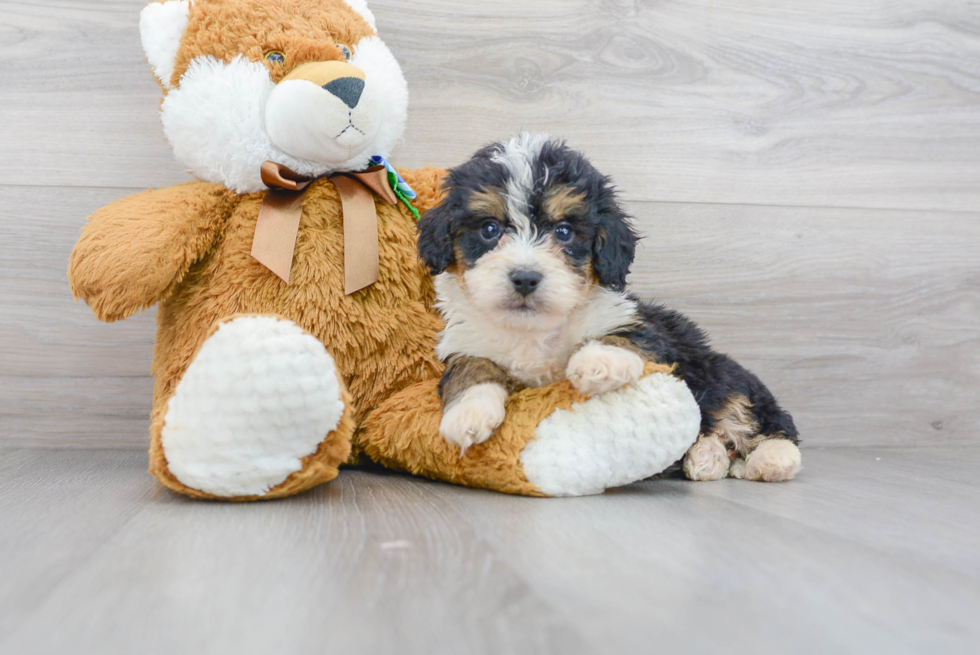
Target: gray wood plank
{"x": 94, "y": 558}
{"x": 58, "y": 509}
{"x": 733, "y": 567}
{"x": 365, "y": 565}
{"x": 75, "y": 412}
{"x": 865, "y": 322}
{"x": 830, "y": 104}
{"x": 923, "y": 503}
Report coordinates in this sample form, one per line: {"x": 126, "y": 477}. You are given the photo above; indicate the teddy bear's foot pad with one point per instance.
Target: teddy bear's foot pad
{"x": 261, "y": 395}
{"x": 613, "y": 439}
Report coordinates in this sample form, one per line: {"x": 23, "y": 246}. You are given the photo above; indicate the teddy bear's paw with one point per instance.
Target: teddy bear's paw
{"x": 598, "y": 368}
{"x": 775, "y": 460}
{"x": 473, "y": 416}
{"x": 260, "y": 396}
{"x": 707, "y": 459}
{"x": 613, "y": 439}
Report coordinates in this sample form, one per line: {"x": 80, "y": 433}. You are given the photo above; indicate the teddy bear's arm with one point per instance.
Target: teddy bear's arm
{"x": 133, "y": 251}
{"x": 427, "y": 182}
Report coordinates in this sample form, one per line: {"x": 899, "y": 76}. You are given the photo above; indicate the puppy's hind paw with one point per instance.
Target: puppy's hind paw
{"x": 472, "y": 417}
{"x": 598, "y": 368}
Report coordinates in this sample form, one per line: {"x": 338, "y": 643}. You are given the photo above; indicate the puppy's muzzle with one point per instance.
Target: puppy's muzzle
{"x": 525, "y": 281}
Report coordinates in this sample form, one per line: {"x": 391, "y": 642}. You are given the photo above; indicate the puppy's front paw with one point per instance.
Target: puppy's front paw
{"x": 598, "y": 368}
{"x": 472, "y": 416}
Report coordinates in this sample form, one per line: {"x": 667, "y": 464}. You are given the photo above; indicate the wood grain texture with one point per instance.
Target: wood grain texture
{"x": 833, "y": 103}
{"x": 866, "y": 323}
{"x": 867, "y": 551}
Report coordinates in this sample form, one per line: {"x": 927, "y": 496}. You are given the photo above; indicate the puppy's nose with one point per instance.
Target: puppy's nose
{"x": 348, "y": 89}
{"x": 525, "y": 282}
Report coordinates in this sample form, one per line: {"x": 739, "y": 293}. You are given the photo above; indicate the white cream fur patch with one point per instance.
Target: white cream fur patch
{"x": 775, "y": 460}
{"x": 534, "y": 355}
{"x": 517, "y": 156}
{"x": 707, "y": 459}
{"x": 598, "y": 368}
{"x": 472, "y": 417}
{"x": 162, "y": 25}
{"x": 614, "y": 439}
{"x": 259, "y": 396}
{"x": 216, "y": 119}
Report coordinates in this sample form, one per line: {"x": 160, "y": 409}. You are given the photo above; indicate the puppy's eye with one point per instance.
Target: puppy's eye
{"x": 275, "y": 57}
{"x": 347, "y": 51}
{"x": 490, "y": 230}
{"x": 563, "y": 233}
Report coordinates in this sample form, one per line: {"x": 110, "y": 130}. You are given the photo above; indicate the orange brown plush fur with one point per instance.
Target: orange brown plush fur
{"x": 264, "y": 388}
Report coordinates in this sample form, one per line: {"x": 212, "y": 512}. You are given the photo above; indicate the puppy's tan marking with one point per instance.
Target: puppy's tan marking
{"x": 560, "y": 202}
{"x": 464, "y": 372}
{"x": 737, "y": 426}
{"x": 489, "y": 203}
{"x": 473, "y": 392}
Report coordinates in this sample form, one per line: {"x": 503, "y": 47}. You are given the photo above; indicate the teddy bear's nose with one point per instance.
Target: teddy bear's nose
{"x": 348, "y": 89}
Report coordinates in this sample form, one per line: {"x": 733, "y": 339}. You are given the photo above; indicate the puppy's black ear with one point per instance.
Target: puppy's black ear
{"x": 614, "y": 248}
{"x": 435, "y": 240}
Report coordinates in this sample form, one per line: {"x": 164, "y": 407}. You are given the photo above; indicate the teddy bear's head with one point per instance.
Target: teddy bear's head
{"x": 304, "y": 83}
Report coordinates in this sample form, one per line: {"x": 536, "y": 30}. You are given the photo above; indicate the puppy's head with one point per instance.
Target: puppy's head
{"x": 527, "y": 228}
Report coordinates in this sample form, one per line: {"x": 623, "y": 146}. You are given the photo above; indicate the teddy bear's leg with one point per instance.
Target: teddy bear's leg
{"x": 259, "y": 413}
{"x": 553, "y": 441}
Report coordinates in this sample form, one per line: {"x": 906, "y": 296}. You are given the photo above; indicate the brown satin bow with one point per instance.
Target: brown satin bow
{"x": 282, "y": 208}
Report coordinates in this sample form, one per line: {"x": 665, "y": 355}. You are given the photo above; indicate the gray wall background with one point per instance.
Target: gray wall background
{"x": 807, "y": 176}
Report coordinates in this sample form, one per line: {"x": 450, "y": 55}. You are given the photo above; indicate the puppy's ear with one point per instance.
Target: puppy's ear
{"x": 614, "y": 248}
{"x": 435, "y": 238}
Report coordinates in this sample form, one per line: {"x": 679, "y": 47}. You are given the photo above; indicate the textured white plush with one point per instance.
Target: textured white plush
{"x": 260, "y": 395}
{"x": 216, "y": 119}
{"x": 361, "y": 7}
{"x": 613, "y": 439}
{"x": 162, "y": 25}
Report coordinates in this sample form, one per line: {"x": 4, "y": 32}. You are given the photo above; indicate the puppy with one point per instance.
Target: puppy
{"x": 531, "y": 250}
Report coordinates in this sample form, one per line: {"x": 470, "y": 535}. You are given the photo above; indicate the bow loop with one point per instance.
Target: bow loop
{"x": 277, "y": 176}
{"x": 277, "y": 226}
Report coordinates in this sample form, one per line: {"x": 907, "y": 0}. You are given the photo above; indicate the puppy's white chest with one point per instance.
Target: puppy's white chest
{"x": 536, "y": 360}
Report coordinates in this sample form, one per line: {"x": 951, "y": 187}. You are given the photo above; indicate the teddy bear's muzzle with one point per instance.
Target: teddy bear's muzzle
{"x": 322, "y": 111}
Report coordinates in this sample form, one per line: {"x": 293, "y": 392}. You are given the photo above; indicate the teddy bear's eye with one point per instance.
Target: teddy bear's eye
{"x": 275, "y": 57}
{"x": 347, "y": 51}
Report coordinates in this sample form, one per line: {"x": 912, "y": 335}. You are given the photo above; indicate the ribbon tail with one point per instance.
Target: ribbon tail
{"x": 361, "y": 250}
{"x": 275, "y": 231}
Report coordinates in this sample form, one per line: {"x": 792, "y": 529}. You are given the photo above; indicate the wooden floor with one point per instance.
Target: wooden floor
{"x": 806, "y": 177}
{"x": 869, "y": 551}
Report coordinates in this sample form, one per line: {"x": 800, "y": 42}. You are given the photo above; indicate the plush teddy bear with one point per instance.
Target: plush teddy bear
{"x": 296, "y": 325}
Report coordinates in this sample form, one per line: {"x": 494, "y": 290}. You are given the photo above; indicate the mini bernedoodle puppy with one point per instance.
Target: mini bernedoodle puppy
{"x": 531, "y": 251}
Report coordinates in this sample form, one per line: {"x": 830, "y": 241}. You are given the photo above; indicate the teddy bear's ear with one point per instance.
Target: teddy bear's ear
{"x": 361, "y": 7}
{"x": 162, "y": 25}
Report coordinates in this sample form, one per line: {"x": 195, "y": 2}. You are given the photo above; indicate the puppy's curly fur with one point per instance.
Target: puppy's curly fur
{"x": 531, "y": 250}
